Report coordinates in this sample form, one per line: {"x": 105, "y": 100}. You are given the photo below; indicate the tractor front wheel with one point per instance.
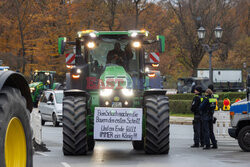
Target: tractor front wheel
{"x": 74, "y": 126}
{"x": 157, "y": 124}
{"x": 15, "y": 130}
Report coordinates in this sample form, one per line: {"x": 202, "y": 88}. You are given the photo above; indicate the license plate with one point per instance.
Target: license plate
{"x": 117, "y": 104}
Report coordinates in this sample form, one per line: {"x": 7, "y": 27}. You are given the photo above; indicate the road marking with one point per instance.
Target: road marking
{"x": 42, "y": 154}
{"x": 65, "y": 164}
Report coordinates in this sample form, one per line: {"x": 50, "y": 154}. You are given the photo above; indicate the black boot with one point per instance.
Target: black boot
{"x": 215, "y": 146}
{"x": 195, "y": 146}
{"x": 207, "y": 147}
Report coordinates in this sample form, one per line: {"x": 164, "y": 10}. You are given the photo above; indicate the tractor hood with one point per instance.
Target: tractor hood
{"x": 115, "y": 77}
{"x": 35, "y": 84}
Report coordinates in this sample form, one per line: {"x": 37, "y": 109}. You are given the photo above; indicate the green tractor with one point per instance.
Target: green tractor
{"x": 42, "y": 80}
{"x": 108, "y": 96}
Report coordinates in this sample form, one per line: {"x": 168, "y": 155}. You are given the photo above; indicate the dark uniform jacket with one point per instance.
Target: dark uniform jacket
{"x": 195, "y": 105}
{"x": 207, "y": 108}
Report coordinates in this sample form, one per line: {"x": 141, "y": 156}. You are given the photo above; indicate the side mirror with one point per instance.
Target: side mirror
{"x": 61, "y": 44}
{"x": 161, "y": 40}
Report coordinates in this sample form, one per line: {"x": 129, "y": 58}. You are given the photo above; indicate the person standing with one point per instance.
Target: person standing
{"x": 207, "y": 109}
{"x": 216, "y": 96}
{"x": 197, "y": 124}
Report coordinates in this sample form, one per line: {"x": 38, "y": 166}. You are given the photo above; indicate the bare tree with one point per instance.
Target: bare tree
{"x": 140, "y": 6}
{"x": 191, "y": 14}
{"x": 21, "y": 12}
{"x": 111, "y": 6}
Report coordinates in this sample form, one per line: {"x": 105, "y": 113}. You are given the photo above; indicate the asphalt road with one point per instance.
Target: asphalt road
{"x": 121, "y": 153}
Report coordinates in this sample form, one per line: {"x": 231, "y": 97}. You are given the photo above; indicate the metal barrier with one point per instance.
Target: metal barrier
{"x": 35, "y": 120}
{"x": 222, "y": 124}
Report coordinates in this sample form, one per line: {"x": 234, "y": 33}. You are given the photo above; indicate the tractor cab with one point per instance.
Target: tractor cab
{"x": 46, "y": 77}
{"x": 104, "y": 57}
{"x": 42, "y": 80}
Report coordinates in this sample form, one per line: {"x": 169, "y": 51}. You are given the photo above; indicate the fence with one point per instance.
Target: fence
{"x": 222, "y": 124}
{"x": 36, "y": 126}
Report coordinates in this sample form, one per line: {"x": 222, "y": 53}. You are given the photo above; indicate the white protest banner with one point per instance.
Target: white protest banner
{"x": 118, "y": 123}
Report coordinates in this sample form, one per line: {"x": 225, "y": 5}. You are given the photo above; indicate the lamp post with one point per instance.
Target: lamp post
{"x": 201, "y": 35}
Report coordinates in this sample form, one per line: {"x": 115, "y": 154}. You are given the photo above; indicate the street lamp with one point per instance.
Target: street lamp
{"x": 201, "y": 32}
{"x": 218, "y": 32}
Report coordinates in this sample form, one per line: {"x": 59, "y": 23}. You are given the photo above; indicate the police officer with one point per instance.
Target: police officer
{"x": 216, "y": 96}
{"x": 197, "y": 124}
{"x": 207, "y": 109}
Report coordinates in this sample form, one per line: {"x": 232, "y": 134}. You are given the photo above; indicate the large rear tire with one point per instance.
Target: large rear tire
{"x": 74, "y": 126}
{"x": 157, "y": 124}
{"x": 15, "y": 130}
{"x": 244, "y": 139}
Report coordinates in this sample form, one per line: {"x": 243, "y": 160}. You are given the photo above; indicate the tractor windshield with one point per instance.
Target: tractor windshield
{"x": 42, "y": 77}
{"x": 113, "y": 52}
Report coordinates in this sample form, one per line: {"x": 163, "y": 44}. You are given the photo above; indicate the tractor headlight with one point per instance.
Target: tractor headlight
{"x": 92, "y": 35}
{"x": 136, "y": 44}
{"x": 78, "y": 71}
{"x": 134, "y": 34}
{"x": 91, "y": 45}
{"x": 127, "y": 92}
{"x": 106, "y": 92}
{"x": 32, "y": 90}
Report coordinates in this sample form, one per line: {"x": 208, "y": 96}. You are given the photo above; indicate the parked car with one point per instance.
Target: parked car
{"x": 50, "y": 106}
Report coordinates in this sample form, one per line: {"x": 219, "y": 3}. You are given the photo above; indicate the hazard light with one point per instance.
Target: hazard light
{"x": 134, "y": 34}
{"x": 92, "y": 35}
{"x": 151, "y": 75}
{"x": 78, "y": 71}
{"x": 155, "y": 65}
{"x": 75, "y": 76}
{"x": 226, "y": 104}
{"x": 231, "y": 115}
{"x": 69, "y": 66}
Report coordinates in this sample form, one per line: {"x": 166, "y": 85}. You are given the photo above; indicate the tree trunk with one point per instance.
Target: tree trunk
{"x": 136, "y": 14}
{"x": 23, "y": 51}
